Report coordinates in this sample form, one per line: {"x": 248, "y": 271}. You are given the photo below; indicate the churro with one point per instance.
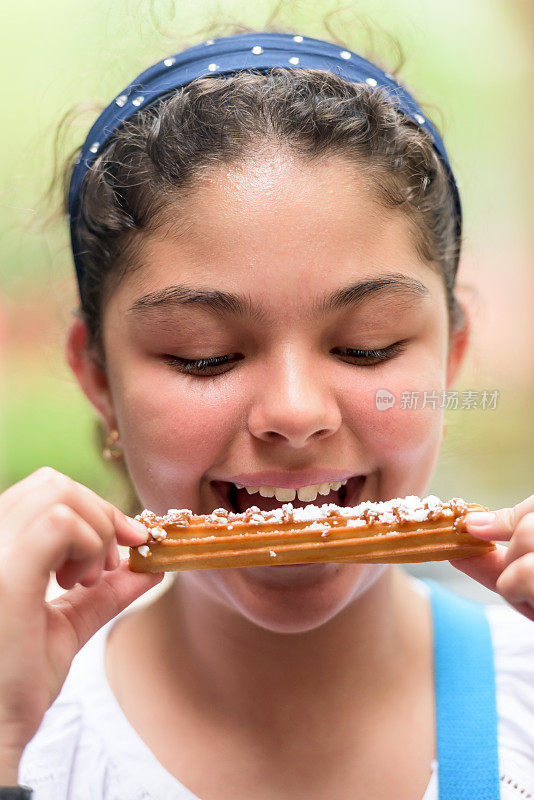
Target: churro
{"x": 408, "y": 529}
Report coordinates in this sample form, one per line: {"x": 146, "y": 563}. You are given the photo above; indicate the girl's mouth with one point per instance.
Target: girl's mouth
{"x": 237, "y": 498}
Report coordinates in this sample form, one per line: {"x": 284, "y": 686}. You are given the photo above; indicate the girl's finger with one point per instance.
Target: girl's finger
{"x": 35, "y": 494}
{"x": 498, "y": 525}
{"x": 516, "y": 583}
{"x": 88, "y": 609}
{"x": 85, "y": 571}
{"x": 522, "y": 542}
{"x": 93, "y": 575}
{"x": 59, "y": 536}
{"x": 486, "y": 568}
{"x": 113, "y": 558}
{"x": 22, "y": 489}
{"x": 130, "y": 532}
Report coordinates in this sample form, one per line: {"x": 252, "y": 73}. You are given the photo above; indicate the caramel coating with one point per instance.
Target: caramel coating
{"x": 406, "y": 529}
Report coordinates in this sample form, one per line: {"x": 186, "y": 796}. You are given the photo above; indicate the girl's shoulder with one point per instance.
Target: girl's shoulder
{"x": 86, "y": 748}
{"x": 513, "y": 637}
{"x": 53, "y": 754}
{"x": 47, "y": 759}
{"x": 513, "y": 645}
{"x": 70, "y": 755}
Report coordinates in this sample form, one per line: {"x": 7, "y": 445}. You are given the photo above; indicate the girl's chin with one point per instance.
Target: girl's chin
{"x": 296, "y": 598}
{"x": 287, "y": 576}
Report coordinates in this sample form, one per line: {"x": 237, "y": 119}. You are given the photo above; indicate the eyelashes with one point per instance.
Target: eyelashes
{"x": 218, "y": 365}
{"x": 372, "y": 357}
{"x": 202, "y": 367}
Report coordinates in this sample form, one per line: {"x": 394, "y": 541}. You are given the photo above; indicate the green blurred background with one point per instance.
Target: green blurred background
{"x": 470, "y": 63}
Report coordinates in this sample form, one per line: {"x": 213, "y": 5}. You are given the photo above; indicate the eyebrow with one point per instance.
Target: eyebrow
{"x": 220, "y": 302}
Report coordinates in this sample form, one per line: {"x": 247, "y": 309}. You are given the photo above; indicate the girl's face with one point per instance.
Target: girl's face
{"x": 275, "y": 279}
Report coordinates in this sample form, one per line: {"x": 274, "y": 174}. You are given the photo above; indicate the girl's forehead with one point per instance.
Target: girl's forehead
{"x": 282, "y": 212}
{"x": 282, "y": 186}
{"x": 279, "y": 227}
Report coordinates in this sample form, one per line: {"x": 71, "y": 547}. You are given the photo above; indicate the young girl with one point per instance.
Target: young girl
{"x": 266, "y": 232}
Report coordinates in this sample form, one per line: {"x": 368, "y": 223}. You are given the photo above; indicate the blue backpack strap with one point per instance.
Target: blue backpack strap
{"x": 466, "y": 708}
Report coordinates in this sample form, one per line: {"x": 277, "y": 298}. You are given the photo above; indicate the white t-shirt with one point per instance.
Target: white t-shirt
{"x": 85, "y": 748}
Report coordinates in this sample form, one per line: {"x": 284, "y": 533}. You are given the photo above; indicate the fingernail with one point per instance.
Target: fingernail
{"x": 480, "y": 518}
{"x": 138, "y": 527}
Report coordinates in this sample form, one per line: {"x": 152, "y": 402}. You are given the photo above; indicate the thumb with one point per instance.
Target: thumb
{"x": 498, "y": 525}
{"x": 87, "y": 609}
{"x": 501, "y": 524}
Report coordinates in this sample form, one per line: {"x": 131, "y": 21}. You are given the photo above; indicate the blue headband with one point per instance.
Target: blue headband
{"x": 231, "y": 54}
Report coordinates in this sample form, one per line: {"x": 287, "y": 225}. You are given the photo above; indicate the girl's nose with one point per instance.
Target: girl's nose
{"x": 293, "y": 403}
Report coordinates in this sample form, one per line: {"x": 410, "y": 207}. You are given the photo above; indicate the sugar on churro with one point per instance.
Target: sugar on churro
{"x": 408, "y": 529}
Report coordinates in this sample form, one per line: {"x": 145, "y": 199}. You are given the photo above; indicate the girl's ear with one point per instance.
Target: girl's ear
{"x": 458, "y": 346}
{"x": 89, "y": 372}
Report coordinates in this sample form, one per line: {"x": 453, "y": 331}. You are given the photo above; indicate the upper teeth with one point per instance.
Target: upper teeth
{"x": 306, "y": 493}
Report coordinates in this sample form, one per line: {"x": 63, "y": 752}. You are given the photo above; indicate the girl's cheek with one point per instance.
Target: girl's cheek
{"x": 400, "y": 434}
{"x": 174, "y": 428}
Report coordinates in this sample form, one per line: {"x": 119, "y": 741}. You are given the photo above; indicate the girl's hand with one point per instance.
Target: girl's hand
{"x": 507, "y": 570}
{"x": 48, "y": 522}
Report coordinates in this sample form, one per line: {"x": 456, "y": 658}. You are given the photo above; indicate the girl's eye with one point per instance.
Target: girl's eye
{"x": 372, "y": 357}
{"x": 203, "y": 366}
{"x": 217, "y": 365}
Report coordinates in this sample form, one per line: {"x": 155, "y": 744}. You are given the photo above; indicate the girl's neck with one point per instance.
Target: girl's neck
{"x": 365, "y": 654}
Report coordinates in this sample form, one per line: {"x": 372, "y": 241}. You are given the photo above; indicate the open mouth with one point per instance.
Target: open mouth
{"x": 237, "y": 498}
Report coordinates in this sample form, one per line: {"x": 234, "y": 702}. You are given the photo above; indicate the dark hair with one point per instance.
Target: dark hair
{"x": 161, "y": 153}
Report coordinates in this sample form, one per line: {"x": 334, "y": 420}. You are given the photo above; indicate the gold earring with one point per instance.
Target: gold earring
{"x": 112, "y": 450}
